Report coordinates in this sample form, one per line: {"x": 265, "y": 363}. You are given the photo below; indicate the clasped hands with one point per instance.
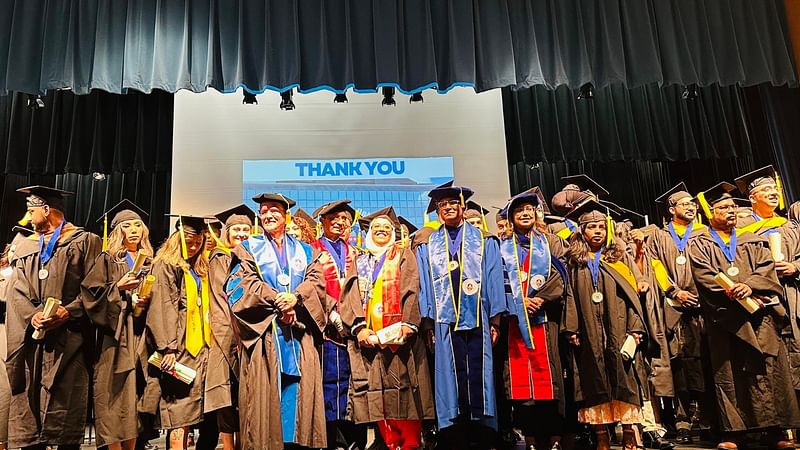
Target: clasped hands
{"x": 368, "y": 339}
{"x": 59, "y": 318}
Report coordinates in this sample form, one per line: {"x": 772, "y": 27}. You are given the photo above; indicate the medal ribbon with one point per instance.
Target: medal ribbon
{"x": 281, "y": 254}
{"x": 455, "y": 244}
{"x": 570, "y": 225}
{"x": 378, "y": 266}
{"x": 46, "y": 253}
{"x": 339, "y": 259}
{"x": 680, "y": 242}
{"x": 594, "y": 267}
{"x": 730, "y": 249}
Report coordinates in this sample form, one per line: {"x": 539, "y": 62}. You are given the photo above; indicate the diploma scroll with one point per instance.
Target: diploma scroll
{"x": 138, "y": 263}
{"x": 776, "y": 247}
{"x": 144, "y": 292}
{"x": 50, "y": 307}
{"x": 747, "y": 303}
{"x": 182, "y": 372}
{"x": 628, "y": 349}
{"x": 391, "y": 335}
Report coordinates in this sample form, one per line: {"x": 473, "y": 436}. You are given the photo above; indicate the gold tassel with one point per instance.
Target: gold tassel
{"x": 220, "y": 244}
{"x": 26, "y": 219}
{"x": 461, "y": 198}
{"x": 609, "y": 229}
{"x": 288, "y": 217}
{"x": 358, "y": 235}
{"x": 319, "y": 230}
{"x": 105, "y": 232}
{"x": 184, "y": 250}
{"x": 779, "y": 187}
{"x": 701, "y": 198}
{"x": 256, "y": 230}
{"x": 484, "y": 225}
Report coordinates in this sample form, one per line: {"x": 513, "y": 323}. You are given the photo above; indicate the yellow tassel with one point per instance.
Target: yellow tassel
{"x": 288, "y": 217}
{"x": 701, "y": 198}
{"x": 26, "y": 219}
{"x": 184, "y": 250}
{"x": 461, "y": 198}
{"x": 220, "y": 244}
{"x": 609, "y": 229}
{"x": 484, "y": 225}
{"x": 256, "y": 230}
{"x": 779, "y": 187}
{"x": 319, "y": 230}
{"x": 105, "y": 232}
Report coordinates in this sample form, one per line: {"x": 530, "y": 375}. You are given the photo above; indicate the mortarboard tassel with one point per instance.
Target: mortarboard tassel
{"x": 105, "y": 232}
{"x": 701, "y": 198}
{"x": 609, "y": 229}
{"x": 26, "y": 219}
{"x": 184, "y": 250}
{"x": 319, "y": 230}
{"x": 484, "y": 225}
{"x": 220, "y": 244}
{"x": 461, "y": 198}
{"x": 779, "y": 188}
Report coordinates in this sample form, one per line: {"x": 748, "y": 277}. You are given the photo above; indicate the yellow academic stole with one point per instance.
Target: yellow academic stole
{"x": 198, "y": 330}
{"x": 384, "y": 308}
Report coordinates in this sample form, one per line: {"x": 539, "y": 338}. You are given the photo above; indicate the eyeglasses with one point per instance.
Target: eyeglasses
{"x": 724, "y": 207}
{"x": 525, "y": 209}
{"x": 448, "y": 203}
{"x": 687, "y": 205}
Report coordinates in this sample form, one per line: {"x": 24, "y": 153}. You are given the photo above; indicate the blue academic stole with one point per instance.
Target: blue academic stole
{"x": 270, "y": 268}
{"x": 465, "y": 310}
{"x": 539, "y": 265}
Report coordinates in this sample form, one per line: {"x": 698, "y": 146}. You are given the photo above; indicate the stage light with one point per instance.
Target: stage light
{"x": 586, "y": 92}
{"x": 249, "y": 99}
{"x": 35, "y": 102}
{"x": 99, "y": 176}
{"x": 690, "y": 92}
{"x": 416, "y": 98}
{"x": 340, "y": 98}
{"x": 388, "y": 97}
{"x": 286, "y": 100}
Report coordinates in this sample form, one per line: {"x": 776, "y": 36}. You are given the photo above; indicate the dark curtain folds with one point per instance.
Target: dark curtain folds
{"x": 639, "y": 143}
{"x": 98, "y": 132}
{"x": 413, "y": 44}
{"x": 127, "y": 138}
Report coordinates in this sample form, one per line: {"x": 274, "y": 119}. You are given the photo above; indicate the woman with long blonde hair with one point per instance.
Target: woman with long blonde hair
{"x": 178, "y": 323}
{"x": 113, "y": 303}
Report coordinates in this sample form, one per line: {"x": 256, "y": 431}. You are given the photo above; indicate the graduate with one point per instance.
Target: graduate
{"x": 113, "y": 304}
{"x": 605, "y": 324}
{"x": 52, "y": 262}
{"x": 390, "y": 382}
{"x": 178, "y": 323}
{"x": 221, "y": 396}
{"x": 765, "y": 194}
{"x": 461, "y": 300}
{"x": 535, "y": 280}
{"x": 752, "y": 378}
{"x": 669, "y": 248}
{"x": 407, "y": 230}
{"x": 274, "y": 292}
{"x": 337, "y": 261}
{"x": 577, "y": 189}
{"x": 475, "y": 215}
{"x": 302, "y": 226}
{"x": 501, "y": 220}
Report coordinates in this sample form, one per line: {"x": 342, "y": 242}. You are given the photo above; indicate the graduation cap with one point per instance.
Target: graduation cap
{"x": 471, "y": 205}
{"x": 188, "y": 224}
{"x": 674, "y": 195}
{"x": 475, "y": 210}
{"x": 302, "y": 214}
{"x": 625, "y": 214}
{"x": 238, "y": 215}
{"x": 502, "y": 213}
{"x": 564, "y": 201}
{"x": 410, "y": 226}
{"x": 528, "y": 197}
{"x": 25, "y": 232}
{"x": 764, "y": 176}
{"x": 715, "y": 194}
{"x": 334, "y": 207}
{"x": 583, "y": 183}
{"x": 538, "y": 191}
{"x": 45, "y": 196}
{"x": 591, "y": 210}
{"x": 274, "y": 197}
{"x": 462, "y": 193}
{"x": 387, "y": 212}
{"x": 434, "y": 196}
{"x": 121, "y": 212}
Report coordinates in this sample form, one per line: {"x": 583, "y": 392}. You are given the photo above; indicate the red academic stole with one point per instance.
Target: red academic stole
{"x": 387, "y": 285}
{"x": 529, "y": 371}
{"x": 333, "y": 279}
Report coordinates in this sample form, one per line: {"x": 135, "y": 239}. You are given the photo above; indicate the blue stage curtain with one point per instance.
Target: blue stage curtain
{"x": 116, "y": 45}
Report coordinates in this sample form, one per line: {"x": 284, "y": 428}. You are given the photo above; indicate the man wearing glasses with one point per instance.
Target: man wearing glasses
{"x": 669, "y": 246}
{"x": 740, "y": 295}
{"x": 461, "y": 298}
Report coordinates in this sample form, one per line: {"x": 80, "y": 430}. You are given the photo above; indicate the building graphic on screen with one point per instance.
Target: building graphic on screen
{"x": 371, "y": 184}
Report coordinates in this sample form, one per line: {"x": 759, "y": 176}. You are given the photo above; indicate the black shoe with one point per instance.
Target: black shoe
{"x": 684, "y": 437}
{"x": 654, "y": 441}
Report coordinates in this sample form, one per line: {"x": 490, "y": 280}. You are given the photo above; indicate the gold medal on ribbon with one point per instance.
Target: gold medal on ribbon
{"x": 680, "y": 260}
{"x": 452, "y": 265}
{"x": 597, "y": 297}
{"x": 732, "y": 271}
{"x": 43, "y": 273}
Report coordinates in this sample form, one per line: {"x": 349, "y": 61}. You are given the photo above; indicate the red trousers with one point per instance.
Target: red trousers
{"x": 403, "y": 434}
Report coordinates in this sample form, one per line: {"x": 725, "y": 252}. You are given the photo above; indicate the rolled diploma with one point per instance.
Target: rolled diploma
{"x": 182, "y": 372}
{"x": 144, "y": 292}
{"x": 138, "y": 262}
{"x": 628, "y": 349}
{"x": 726, "y": 283}
{"x": 50, "y": 307}
{"x": 390, "y": 335}
{"x": 776, "y": 247}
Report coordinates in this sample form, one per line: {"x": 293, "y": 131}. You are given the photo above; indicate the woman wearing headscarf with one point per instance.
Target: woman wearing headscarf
{"x": 390, "y": 378}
